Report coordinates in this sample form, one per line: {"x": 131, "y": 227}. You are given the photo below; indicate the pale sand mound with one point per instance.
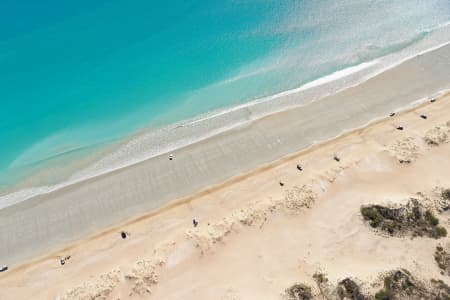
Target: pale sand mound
{"x": 296, "y": 199}
{"x": 438, "y": 135}
{"x": 143, "y": 275}
{"x": 438, "y": 199}
{"x": 205, "y": 237}
{"x": 331, "y": 174}
{"x": 405, "y": 150}
{"x": 98, "y": 288}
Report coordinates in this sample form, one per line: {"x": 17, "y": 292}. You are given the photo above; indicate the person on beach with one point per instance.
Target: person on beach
{"x": 194, "y": 221}
{"x": 423, "y": 117}
{"x": 281, "y": 183}
{"x": 3, "y": 268}
{"x": 123, "y": 234}
{"x": 299, "y": 167}
{"x": 170, "y": 156}
{"x": 399, "y": 128}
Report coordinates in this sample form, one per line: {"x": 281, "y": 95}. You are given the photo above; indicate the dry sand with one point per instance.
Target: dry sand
{"x": 256, "y": 238}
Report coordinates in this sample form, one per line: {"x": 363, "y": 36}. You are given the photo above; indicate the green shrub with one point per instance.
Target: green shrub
{"x": 320, "y": 278}
{"x": 442, "y": 258}
{"x": 341, "y": 292}
{"x": 411, "y": 218}
{"x": 432, "y": 220}
{"x": 446, "y": 194}
{"x": 299, "y": 291}
{"x": 349, "y": 289}
{"x": 370, "y": 213}
{"x": 441, "y": 232}
{"x": 390, "y": 227}
{"x": 383, "y": 295}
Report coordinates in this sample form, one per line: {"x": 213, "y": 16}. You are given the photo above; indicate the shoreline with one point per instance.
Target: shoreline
{"x": 104, "y": 161}
{"x": 42, "y": 223}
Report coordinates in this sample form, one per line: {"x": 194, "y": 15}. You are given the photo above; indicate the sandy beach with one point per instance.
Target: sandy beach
{"x": 263, "y": 224}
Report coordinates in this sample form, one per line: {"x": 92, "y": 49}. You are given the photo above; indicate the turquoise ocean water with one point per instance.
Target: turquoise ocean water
{"x": 77, "y": 78}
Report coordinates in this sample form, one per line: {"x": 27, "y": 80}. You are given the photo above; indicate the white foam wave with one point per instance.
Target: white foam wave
{"x": 142, "y": 147}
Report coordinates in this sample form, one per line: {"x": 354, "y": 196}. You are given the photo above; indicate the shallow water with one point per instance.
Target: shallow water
{"x": 78, "y": 80}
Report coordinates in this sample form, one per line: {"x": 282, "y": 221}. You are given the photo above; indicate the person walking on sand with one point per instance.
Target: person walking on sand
{"x": 194, "y": 221}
